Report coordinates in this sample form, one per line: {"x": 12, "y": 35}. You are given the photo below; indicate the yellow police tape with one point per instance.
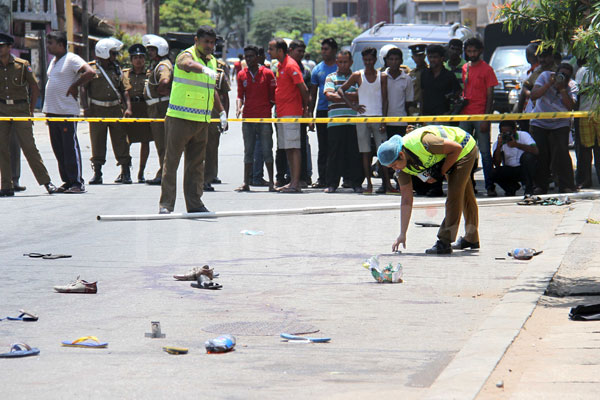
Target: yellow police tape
{"x": 347, "y": 120}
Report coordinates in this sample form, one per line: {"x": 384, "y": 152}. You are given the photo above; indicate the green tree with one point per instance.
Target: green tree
{"x": 342, "y": 29}
{"x": 183, "y": 15}
{"x": 567, "y": 25}
{"x": 295, "y": 34}
{"x": 287, "y": 19}
{"x": 229, "y": 17}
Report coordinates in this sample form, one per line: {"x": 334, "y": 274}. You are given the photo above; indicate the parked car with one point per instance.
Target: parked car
{"x": 404, "y": 35}
{"x": 509, "y": 64}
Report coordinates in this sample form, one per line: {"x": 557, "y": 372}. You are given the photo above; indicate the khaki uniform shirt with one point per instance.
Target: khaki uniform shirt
{"x": 15, "y": 79}
{"x": 135, "y": 82}
{"x": 222, "y": 86}
{"x": 415, "y": 74}
{"x": 158, "y": 71}
{"x": 99, "y": 89}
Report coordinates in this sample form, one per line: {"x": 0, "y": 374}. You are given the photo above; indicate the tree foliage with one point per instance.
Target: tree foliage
{"x": 229, "y": 17}
{"x": 567, "y": 25}
{"x": 183, "y": 15}
{"x": 287, "y": 19}
{"x": 294, "y": 34}
{"x": 342, "y": 29}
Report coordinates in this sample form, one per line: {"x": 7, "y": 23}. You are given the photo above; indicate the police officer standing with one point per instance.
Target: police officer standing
{"x": 418, "y": 56}
{"x": 156, "y": 93}
{"x": 104, "y": 96}
{"x": 429, "y": 153}
{"x": 222, "y": 87}
{"x": 135, "y": 78}
{"x": 19, "y": 94}
{"x": 188, "y": 116}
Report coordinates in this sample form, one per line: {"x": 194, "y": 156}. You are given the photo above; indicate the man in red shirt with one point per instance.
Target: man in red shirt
{"x": 479, "y": 80}
{"x": 256, "y": 96}
{"x": 291, "y": 100}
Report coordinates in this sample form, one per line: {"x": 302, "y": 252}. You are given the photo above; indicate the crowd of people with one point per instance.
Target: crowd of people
{"x": 192, "y": 90}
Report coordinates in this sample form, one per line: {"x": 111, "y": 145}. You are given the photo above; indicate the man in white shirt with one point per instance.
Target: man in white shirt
{"x": 515, "y": 157}
{"x": 66, "y": 72}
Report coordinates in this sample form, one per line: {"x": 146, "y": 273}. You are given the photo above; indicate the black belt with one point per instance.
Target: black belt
{"x": 10, "y": 101}
{"x": 137, "y": 99}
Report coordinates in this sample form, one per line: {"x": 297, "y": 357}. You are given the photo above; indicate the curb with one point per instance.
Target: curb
{"x": 466, "y": 374}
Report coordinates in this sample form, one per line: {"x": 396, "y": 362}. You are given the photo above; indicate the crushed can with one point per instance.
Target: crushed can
{"x": 221, "y": 344}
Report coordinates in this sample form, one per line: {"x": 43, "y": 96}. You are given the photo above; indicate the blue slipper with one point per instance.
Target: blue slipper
{"x": 25, "y": 316}
{"x": 287, "y": 336}
{"x": 85, "y": 341}
{"x": 20, "y": 350}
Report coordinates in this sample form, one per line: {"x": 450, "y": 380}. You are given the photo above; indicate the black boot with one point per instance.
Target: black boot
{"x": 97, "y": 179}
{"x": 125, "y": 176}
{"x": 440, "y": 248}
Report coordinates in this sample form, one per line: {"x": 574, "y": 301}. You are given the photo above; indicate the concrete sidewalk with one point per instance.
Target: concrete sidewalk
{"x": 554, "y": 357}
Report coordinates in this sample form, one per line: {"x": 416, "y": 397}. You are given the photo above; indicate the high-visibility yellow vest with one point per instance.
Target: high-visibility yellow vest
{"x": 192, "y": 93}
{"x": 412, "y": 142}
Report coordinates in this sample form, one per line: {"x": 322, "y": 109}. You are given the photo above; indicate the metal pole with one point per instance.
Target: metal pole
{"x": 69, "y": 16}
{"x": 443, "y": 11}
{"x": 85, "y": 30}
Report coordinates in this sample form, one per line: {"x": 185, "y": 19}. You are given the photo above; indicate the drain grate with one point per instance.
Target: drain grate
{"x": 261, "y": 328}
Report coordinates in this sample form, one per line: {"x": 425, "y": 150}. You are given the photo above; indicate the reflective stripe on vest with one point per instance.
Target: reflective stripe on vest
{"x": 192, "y": 94}
{"x": 412, "y": 141}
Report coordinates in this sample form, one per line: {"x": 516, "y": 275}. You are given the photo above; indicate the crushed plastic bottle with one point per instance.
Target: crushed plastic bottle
{"x": 388, "y": 274}
{"x": 252, "y": 233}
{"x": 221, "y": 344}
{"x": 523, "y": 253}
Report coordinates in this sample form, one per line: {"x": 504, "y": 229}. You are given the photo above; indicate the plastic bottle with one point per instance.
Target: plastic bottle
{"x": 221, "y": 344}
{"x": 523, "y": 254}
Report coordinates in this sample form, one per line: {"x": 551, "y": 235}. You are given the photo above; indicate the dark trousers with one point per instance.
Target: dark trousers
{"x": 323, "y": 141}
{"x": 553, "y": 145}
{"x": 63, "y": 138}
{"x": 281, "y": 159}
{"x": 258, "y": 171}
{"x": 508, "y": 178}
{"x": 343, "y": 157}
{"x": 584, "y": 164}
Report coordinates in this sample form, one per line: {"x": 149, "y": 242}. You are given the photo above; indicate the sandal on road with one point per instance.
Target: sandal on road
{"x": 243, "y": 188}
{"x": 86, "y": 341}
{"x": 194, "y": 274}
{"x": 20, "y": 350}
{"x": 175, "y": 350}
{"x": 205, "y": 283}
{"x": 287, "y": 336}
{"x": 47, "y": 256}
{"x": 25, "y": 316}
{"x": 288, "y": 189}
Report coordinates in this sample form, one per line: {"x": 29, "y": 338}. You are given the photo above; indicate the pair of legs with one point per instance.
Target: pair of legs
{"x": 364, "y": 132}
{"x": 343, "y": 157}
{"x": 158, "y": 110}
{"x": 588, "y": 147}
{"x": 63, "y": 138}
{"x": 553, "y": 146}
{"x": 188, "y": 138}
{"x": 323, "y": 142}
{"x": 211, "y": 162}
{"x": 252, "y": 131}
{"x": 508, "y": 178}
{"x": 483, "y": 143}
{"x": 289, "y": 139}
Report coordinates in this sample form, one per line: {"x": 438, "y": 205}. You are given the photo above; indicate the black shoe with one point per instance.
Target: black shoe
{"x": 7, "y": 192}
{"x": 50, "y": 188}
{"x": 380, "y": 190}
{"x": 62, "y": 188}
{"x": 141, "y": 178}
{"x": 75, "y": 189}
{"x": 491, "y": 192}
{"x": 320, "y": 185}
{"x": 126, "y": 175}
{"x": 462, "y": 244}
{"x": 154, "y": 181}
{"x": 435, "y": 193}
{"x": 97, "y": 179}
{"x": 18, "y": 188}
{"x": 440, "y": 248}
{"x": 216, "y": 181}
{"x": 346, "y": 185}
{"x": 119, "y": 179}
{"x": 164, "y": 210}
{"x": 208, "y": 187}
{"x": 202, "y": 209}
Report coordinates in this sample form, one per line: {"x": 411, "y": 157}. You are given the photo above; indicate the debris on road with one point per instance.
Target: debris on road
{"x": 303, "y": 339}
{"x": 221, "y": 344}
{"x": 388, "y": 274}
{"x": 78, "y": 286}
{"x": 524, "y": 253}
{"x": 156, "y": 332}
{"x": 589, "y": 312}
{"x": 252, "y": 233}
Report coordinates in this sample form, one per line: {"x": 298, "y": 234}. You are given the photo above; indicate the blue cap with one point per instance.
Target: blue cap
{"x": 389, "y": 150}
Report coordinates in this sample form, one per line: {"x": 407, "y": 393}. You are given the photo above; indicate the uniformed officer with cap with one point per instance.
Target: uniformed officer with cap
{"x": 430, "y": 153}
{"x": 138, "y": 132}
{"x": 157, "y": 92}
{"x": 17, "y": 99}
{"x": 105, "y": 96}
{"x": 418, "y": 56}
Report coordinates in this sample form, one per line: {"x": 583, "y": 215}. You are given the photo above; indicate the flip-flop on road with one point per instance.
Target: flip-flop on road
{"x": 86, "y": 341}
{"x": 20, "y": 350}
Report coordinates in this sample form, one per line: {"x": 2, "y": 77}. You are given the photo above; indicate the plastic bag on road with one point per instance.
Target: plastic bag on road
{"x": 387, "y": 274}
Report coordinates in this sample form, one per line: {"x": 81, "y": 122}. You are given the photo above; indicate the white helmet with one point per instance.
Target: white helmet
{"x": 161, "y": 44}
{"x": 384, "y": 50}
{"x": 104, "y": 46}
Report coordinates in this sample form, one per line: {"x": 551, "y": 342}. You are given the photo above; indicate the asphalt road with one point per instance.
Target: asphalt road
{"x": 388, "y": 341}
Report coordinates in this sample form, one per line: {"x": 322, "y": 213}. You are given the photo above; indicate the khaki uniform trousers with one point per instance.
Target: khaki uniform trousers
{"x": 118, "y": 135}
{"x": 24, "y": 133}
{"x": 211, "y": 164}
{"x": 159, "y": 110}
{"x": 461, "y": 201}
{"x": 189, "y": 138}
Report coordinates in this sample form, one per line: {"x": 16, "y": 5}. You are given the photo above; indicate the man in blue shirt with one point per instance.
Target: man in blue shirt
{"x": 328, "y": 66}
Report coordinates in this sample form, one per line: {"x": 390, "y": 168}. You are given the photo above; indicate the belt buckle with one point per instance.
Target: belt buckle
{"x": 10, "y": 101}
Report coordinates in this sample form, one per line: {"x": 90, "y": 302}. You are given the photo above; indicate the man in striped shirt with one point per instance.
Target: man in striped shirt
{"x": 343, "y": 158}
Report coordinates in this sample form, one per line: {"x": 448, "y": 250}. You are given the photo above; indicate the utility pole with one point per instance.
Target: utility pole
{"x": 69, "y": 16}
{"x": 443, "y": 11}
{"x": 85, "y": 30}
{"x": 313, "y": 16}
